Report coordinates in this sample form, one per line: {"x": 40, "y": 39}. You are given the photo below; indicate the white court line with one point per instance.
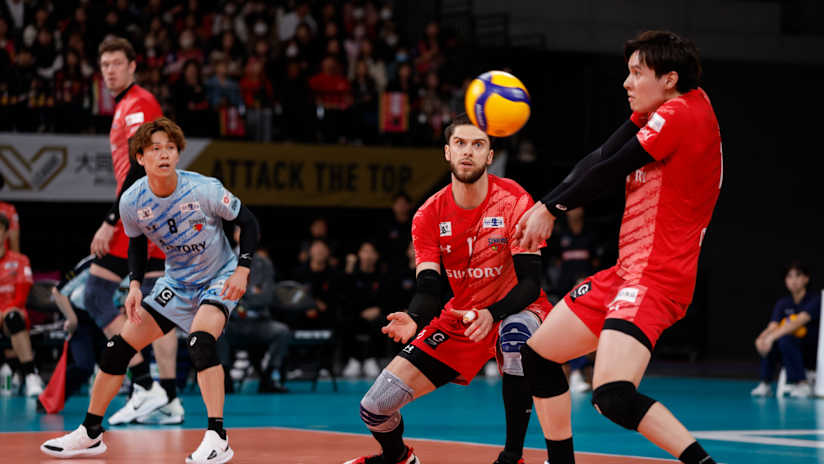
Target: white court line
{"x": 758, "y": 437}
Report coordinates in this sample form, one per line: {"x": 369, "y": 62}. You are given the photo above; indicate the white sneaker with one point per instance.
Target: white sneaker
{"x": 34, "y": 385}
{"x": 212, "y": 450}
{"x": 577, "y": 384}
{"x": 800, "y": 390}
{"x": 763, "y": 389}
{"x": 352, "y": 369}
{"x": 171, "y": 413}
{"x": 75, "y": 444}
{"x": 141, "y": 403}
{"x": 370, "y": 368}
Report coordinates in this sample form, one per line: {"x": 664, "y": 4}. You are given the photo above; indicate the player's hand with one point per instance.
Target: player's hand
{"x": 401, "y": 327}
{"x": 235, "y": 285}
{"x": 480, "y": 326}
{"x": 101, "y": 240}
{"x": 132, "y": 304}
{"x": 70, "y": 326}
{"x": 534, "y": 227}
{"x": 765, "y": 345}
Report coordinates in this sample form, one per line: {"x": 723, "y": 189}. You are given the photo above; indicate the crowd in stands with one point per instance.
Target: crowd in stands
{"x": 320, "y": 71}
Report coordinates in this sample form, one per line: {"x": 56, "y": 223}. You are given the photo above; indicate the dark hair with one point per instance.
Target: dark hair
{"x": 143, "y": 137}
{"x": 798, "y": 266}
{"x": 4, "y": 221}
{"x": 115, "y": 44}
{"x": 663, "y": 52}
{"x": 402, "y": 194}
{"x": 460, "y": 120}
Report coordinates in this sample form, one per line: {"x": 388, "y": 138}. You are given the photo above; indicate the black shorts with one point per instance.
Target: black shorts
{"x": 437, "y": 372}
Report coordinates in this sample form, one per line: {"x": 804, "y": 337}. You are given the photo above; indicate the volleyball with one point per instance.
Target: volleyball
{"x": 498, "y": 103}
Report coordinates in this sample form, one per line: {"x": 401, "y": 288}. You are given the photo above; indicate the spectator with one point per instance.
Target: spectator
{"x": 251, "y": 325}
{"x": 222, "y": 90}
{"x": 333, "y": 95}
{"x": 364, "y": 315}
{"x": 190, "y": 102}
{"x": 397, "y": 231}
{"x": 365, "y": 103}
{"x": 324, "y": 286}
{"x": 13, "y": 230}
{"x": 296, "y": 98}
{"x": 288, "y": 23}
{"x": 15, "y": 283}
{"x": 578, "y": 252}
{"x": 429, "y": 52}
{"x": 188, "y": 51}
{"x": 258, "y": 97}
{"x": 791, "y": 337}
{"x": 73, "y": 102}
{"x": 6, "y": 42}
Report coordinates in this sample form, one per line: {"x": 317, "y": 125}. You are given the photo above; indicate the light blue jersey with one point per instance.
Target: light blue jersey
{"x": 186, "y": 225}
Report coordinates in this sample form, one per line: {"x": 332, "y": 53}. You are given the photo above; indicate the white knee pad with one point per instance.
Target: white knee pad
{"x": 380, "y": 407}
{"x": 513, "y": 333}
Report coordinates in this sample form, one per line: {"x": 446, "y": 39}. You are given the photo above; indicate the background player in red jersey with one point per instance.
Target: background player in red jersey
{"x": 673, "y": 171}
{"x": 134, "y": 106}
{"x": 468, "y": 226}
{"x": 13, "y": 235}
{"x": 15, "y": 283}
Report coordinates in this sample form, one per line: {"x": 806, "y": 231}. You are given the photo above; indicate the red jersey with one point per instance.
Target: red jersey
{"x": 134, "y": 108}
{"x": 669, "y": 202}
{"x": 475, "y": 245}
{"x": 15, "y": 280}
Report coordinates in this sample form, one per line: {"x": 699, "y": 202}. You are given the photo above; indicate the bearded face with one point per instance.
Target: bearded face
{"x": 468, "y": 153}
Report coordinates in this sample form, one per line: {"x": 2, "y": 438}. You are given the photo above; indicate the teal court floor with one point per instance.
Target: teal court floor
{"x": 732, "y": 426}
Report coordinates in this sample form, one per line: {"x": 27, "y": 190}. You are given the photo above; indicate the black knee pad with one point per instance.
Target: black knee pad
{"x": 116, "y": 356}
{"x": 203, "y": 350}
{"x": 546, "y": 378}
{"x": 621, "y": 403}
{"x": 15, "y": 322}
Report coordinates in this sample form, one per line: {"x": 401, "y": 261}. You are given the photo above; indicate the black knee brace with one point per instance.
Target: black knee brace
{"x": 546, "y": 378}
{"x": 116, "y": 356}
{"x": 621, "y": 403}
{"x": 14, "y": 321}
{"x": 203, "y": 350}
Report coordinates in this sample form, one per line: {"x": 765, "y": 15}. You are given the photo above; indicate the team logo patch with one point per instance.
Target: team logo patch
{"x": 197, "y": 223}
{"x": 11, "y": 265}
{"x": 134, "y": 118}
{"x": 626, "y": 294}
{"x": 145, "y": 213}
{"x": 446, "y": 229}
{"x": 436, "y": 339}
{"x": 235, "y": 204}
{"x": 227, "y": 197}
{"x": 580, "y": 290}
{"x": 497, "y": 243}
{"x": 408, "y": 349}
{"x": 495, "y": 222}
{"x": 656, "y": 122}
{"x": 165, "y": 296}
{"x": 190, "y": 207}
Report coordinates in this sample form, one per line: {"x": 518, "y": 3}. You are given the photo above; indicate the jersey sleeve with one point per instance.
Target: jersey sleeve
{"x": 26, "y": 277}
{"x": 776, "y": 312}
{"x": 523, "y": 204}
{"x": 663, "y": 132}
{"x": 222, "y": 202}
{"x": 424, "y": 237}
{"x": 813, "y": 308}
{"x": 639, "y": 119}
{"x": 144, "y": 110}
{"x": 128, "y": 216}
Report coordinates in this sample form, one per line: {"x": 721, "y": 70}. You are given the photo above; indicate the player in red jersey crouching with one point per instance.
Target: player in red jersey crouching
{"x": 468, "y": 226}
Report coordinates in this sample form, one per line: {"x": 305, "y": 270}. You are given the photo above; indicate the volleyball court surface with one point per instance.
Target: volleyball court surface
{"x": 455, "y": 425}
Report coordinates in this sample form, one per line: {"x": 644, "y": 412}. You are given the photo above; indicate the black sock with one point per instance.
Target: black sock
{"x": 170, "y": 386}
{"x": 695, "y": 454}
{"x": 93, "y": 424}
{"x": 560, "y": 452}
{"x": 216, "y": 424}
{"x": 140, "y": 374}
{"x": 518, "y": 408}
{"x": 27, "y": 367}
{"x": 391, "y": 443}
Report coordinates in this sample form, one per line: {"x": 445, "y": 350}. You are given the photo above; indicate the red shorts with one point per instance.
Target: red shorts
{"x": 444, "y": 340}
{"x": 23, "y": 311}
{"x": 119, "y": 245}
{"x": 606, "y": 296}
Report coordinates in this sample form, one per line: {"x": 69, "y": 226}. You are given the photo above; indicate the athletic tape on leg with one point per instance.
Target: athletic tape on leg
{"x": 380, "y": 407}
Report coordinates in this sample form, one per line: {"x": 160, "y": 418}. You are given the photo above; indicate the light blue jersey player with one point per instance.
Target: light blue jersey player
{"x": 182, "y": 213}
{"x": 187, "y": 226}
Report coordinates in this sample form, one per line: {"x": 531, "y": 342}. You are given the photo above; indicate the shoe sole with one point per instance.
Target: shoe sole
{"x": 76, "y": 453}
{"x": 226, "y": 457}
{"x": 144, "y": 410}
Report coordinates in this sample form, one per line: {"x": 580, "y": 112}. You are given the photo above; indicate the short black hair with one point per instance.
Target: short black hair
{"x": 798, "y": 266}
{"x": 665, "y": 51}
{"x": 401, "y": 194}
{"x": 4, "y": 221}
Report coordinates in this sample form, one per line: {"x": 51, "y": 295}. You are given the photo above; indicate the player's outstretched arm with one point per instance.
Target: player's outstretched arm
{"x": 235, "y": 285}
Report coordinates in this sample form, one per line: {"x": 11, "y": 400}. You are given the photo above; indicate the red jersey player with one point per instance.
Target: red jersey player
{"x": 669, "y": 152}
{"x": 468, "y": 226}
{"x": 134, "y": 106}
{"x": 13, "y": 235}
{"x": 15, "y": 283}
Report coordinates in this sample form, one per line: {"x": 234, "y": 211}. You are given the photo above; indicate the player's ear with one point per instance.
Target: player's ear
{"x": 132, "y": 66}
{"x": 446, "y": 153}
{"x": 671, "y": 80}
{"x": 490, "y": 156}
{"x": 138, "y": 156}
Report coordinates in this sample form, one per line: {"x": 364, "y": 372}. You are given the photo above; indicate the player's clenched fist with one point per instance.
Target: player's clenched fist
{"x": 401, "y": 327}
